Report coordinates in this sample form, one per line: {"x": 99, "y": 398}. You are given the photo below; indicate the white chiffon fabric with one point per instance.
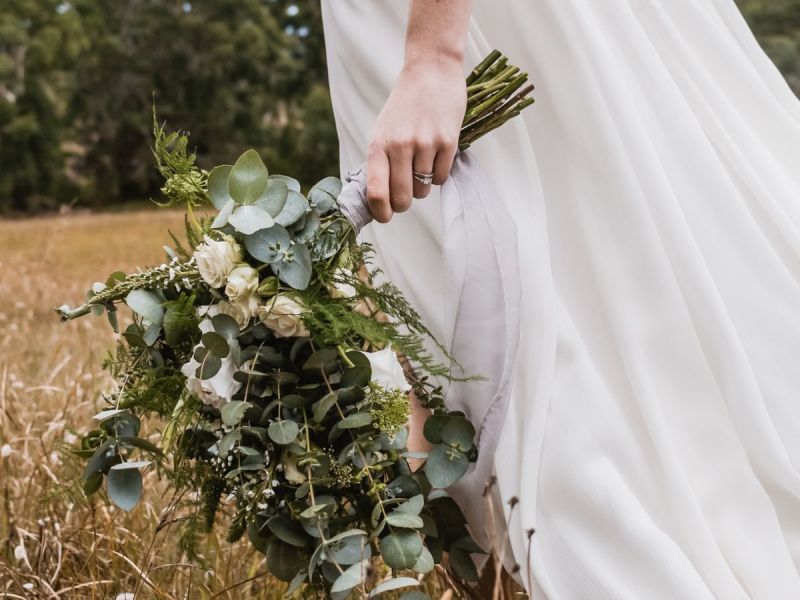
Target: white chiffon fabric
{"x": 652, "y": 435}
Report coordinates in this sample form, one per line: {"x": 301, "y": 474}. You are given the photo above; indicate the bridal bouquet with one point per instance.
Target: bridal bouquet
{"x": 260, "y": 377}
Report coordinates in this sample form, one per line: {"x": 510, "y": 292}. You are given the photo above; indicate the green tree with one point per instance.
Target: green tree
{"x": 39, "y": 44}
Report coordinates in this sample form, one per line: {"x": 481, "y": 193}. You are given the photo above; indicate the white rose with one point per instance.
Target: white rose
{"x": 242, "y": 282}
{"x": 242, "y": 310}
{"x": 220, "y": 388}
{"x": 216, "y": 259}
{"x": 282, "y": 315}
{"x": 339, "y": 289}
{"x": 387, "y": 370}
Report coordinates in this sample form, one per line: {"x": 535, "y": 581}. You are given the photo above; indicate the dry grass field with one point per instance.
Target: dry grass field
{"x": 54, "y": 543}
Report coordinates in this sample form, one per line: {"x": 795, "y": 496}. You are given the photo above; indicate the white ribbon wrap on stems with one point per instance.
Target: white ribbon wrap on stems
{"x": 483, "y": 295}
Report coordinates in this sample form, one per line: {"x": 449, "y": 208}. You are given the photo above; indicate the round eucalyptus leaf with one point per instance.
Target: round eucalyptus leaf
{"x": 403, "y": 520}
{"x": 458, "y": 431}
{"x": 400, "y": 550}
{"x": 349, "y": 550}
{"x": 268, "y": 245}
{"x": 424, "y": 563}
{"x": 226, "y": 326}
{"x": 463, "y": 564}
{"x": 232, "y": 413}
{"x": 125, "y": 487}
{"x": 283, "y": 432}
{"x": 296, "y": 271}
{"x": 323, "y": 195}
{"x": 309, "y": 228}
{"x": 445, "y": 466}
{"x": 218, "y": 186}
{"x": 248, "y": 178}
{"x": 209, "y": 367}
{"x": 284, "y": 561}
{"x": 393, "y": 584}
{"x": 216, "y": 344}
{"x": 273, "y": 198}
{"x": 356, "y": 420}
{"x": 294, "y": 208}
{"x": 290, "y": 182}
{"x": 250, "y": 218}
{"x": 288, "y": 530}
{"x": 147, "y": 305}
{"x": 221, "y": 220}
{"x": 352, "y": 577}
{"x": 432, "y": 430}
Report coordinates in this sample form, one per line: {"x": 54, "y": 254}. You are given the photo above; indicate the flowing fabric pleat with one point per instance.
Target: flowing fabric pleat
{"x": 652, "y": 435}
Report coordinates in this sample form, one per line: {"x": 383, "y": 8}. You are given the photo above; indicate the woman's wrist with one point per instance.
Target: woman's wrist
{"x": 433, "y": 59}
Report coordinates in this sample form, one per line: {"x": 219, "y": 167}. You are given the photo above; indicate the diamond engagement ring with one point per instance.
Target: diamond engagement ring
{"x": 424, "y": 178}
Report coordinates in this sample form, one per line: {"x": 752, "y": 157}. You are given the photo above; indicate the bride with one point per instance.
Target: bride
{"x": 651, "y": 442}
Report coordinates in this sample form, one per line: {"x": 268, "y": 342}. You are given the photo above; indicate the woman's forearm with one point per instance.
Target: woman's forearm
{"x": 437, "y": 30}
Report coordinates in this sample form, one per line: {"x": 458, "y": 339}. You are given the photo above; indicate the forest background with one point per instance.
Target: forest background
{"x": 78, "y": 79}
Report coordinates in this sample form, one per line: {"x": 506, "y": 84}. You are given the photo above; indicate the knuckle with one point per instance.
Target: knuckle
{"x": 398, "y": 144}
{"x": 401, "y": 203}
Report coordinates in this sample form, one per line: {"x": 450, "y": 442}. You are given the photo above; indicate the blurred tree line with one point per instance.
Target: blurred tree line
{"x": 77, "y": 79}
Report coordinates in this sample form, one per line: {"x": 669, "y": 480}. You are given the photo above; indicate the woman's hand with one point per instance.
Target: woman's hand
{"x": 417, "y": 131}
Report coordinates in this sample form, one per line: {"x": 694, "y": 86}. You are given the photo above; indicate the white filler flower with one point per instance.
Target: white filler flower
{"x": 242, "y": 282}
{"x": 282, "y": 315}
{"x": 387, "y": 370}
{"x": 219, "y": 389}
{"x": 216, "y": 259}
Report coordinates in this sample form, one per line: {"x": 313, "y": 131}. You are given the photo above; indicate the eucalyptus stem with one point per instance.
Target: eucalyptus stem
{"x": 496, "y": 93}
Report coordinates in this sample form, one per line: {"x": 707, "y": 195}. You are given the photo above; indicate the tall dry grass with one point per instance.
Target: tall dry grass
{"x": 54, "y": 543}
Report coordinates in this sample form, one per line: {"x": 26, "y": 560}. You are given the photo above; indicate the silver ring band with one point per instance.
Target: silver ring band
{"x": 424, "y": 178}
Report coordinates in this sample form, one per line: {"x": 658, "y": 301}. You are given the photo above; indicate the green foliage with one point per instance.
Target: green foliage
{"x": 77, "y": 79}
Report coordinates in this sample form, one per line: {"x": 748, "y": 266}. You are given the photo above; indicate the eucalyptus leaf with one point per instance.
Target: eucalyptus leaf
{"x": 288, "y": 530}
{"x": 400, "y": 550}
{"x": 291, "y": 182}
{"x": 352, "y": 577}
{"x": 284, "y": 561}
{"x": 322, "y": 407}
{"x": 273, "y": 198}
{"x": 226, "y": 326}
{"x": 268, "y": 245}
{"x": 309, "y": 228}
{"x": 295, "y": 207}
{"x": 232, "y": 413}
{"x": 216, "y": 344}
{"x": 218, "y": 186}
{"x": 250, "y": 218}
{"x": 146, "y": 304}
{"x": 459, "y": 432}
{"x": 209, "y": 367}
{"x": 424, "y": 563}
{"x": 324, "y": 194}
{"x": 248, "y": 178}
{"x": 356, "y": 420}
{"x": 445, "y": 466}
{"x": 295, "y": 270}
{"x": 393, "y": 584}
{"x": 405, "y": 521}
{"x": 125, "y": 487}
{"x": 283, "y": 432}
{"x": 221, "y": 219}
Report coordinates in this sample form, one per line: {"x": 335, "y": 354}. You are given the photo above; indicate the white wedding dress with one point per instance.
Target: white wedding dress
{"x": 652, "y": 434}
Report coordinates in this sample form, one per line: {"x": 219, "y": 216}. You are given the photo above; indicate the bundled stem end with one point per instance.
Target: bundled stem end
{"x": 496, "y": 93}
